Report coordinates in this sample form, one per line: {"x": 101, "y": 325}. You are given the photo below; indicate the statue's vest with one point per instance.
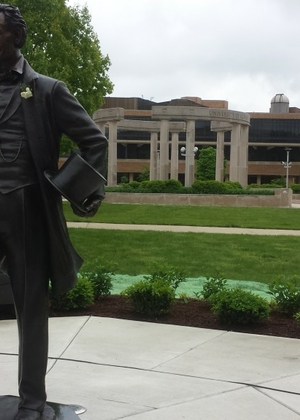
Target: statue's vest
{"x": 16, "y": 165}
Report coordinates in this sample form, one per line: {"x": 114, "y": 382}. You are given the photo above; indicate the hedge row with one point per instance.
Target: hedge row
{"x": 172, "y": 186}
{"x": 155, "y": 295}
{"x": 294, "y": 187}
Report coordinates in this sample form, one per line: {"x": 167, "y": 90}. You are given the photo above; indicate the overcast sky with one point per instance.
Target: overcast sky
{"x": 242, "y": 51}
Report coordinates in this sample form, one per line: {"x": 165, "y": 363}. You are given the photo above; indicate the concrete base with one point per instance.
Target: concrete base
{"x": 282, "y": 198}
{"x": 53, "y": 411}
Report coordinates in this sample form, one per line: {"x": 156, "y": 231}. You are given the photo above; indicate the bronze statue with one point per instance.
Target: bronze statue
{"x": 35, "y": 110}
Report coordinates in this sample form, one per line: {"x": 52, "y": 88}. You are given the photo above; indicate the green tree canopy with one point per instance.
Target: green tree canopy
{"x": 206, "y": 164}
{"x": 61, "y": 43}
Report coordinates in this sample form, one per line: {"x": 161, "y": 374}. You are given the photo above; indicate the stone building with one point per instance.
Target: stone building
{"x": 269, "y": 135}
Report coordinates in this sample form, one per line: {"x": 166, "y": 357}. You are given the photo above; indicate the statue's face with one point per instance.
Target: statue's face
{"x": 8, "y": 51}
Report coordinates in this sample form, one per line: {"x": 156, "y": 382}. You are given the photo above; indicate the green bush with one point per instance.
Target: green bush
{"x": 135, "y": 185}
{"x": 257, "y": 191}
{"x": 232, "y": 185}
{"x": 81, "y": 296}
{"x": 171, "y": 275}
{"x": 262, "y": 186}
{"x": 279, "y": 182}
{"x": 173, "y": 186}
{"x": 212, "y": 286}
{"x": 286, "y": 293}
{"x": 155, "y": 186}
{"x": 297, "y": 317}
{"x": 124, "y": 179}
{"x": 144, "y": 175}
{"x": 209, "y": 187}
{"x": 100, "y": 274}
{"x": 295, "y": 188}
{"x": 160, "y": 186}
{"x": 153, "y": 298}
{"x": 236, "y": 306}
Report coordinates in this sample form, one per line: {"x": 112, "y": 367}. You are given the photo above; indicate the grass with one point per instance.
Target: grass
{"x": 236, "y": 257}
{"x": 243, "y": 217}
{"x": 240, "y": 257}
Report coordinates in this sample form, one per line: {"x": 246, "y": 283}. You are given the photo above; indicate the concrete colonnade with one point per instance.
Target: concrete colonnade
{"x": 221, "y": 121}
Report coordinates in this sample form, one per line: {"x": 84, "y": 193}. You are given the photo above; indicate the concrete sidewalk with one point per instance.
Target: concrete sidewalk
{"x": 133, "y": 370}
{"x": 196, "y": 229}
{"x": 120, "y": 369}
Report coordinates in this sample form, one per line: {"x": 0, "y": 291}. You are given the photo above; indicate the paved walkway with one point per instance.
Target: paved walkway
{"x": 120, "y": 369}
{"x": 199, "y": 229}
{"x": 133, "y": 370}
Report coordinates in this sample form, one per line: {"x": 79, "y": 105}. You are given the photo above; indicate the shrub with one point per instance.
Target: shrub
{"x": 208, "y": 187}
{"x": 258, "y": 191}
{"x": 155, "y": 186}
{"x": 172, "y": 185}
{"x": 100, "y": 275}
{"x": 81, "y": 296}
{"x": 152, "y": 298}
{"x": 213, "y": 286}
{"x": 262, "y": 186}
{"x": 295, "y": 188}
{"x": 144, "y": 175}
{"x": 171, "y": 275}
{"x": 124, "y": 179}
{"x": 134, "y": 185}
{"x": 184, "y": 297}
{"x": 236, "y": 306}
{"x": 232, "y": 185}
{"x": 297, "y": 317}
{"x": 279, "y": 182}
{"x": 286, "y": 293}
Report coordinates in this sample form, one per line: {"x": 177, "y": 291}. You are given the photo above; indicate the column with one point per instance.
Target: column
{"x": 243, "y": 156}
{"x": 220, "y": 157}
{"x": 190, "y": 157}
{"x": 112, "y": 154}
{"x": 154, "y": 156}
{"x": 174, "y": 155}
{"x": 164, "y": 150}
{"x": 101, "y": 125}
{"x": 234, "y": 152}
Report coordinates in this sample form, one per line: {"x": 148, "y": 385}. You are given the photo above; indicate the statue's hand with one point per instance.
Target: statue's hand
{"x": 91, "y": 206}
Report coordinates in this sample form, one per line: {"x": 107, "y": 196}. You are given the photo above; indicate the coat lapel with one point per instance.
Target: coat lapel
{"x": 33, "y": 123}
{"x": 12, "y": 105}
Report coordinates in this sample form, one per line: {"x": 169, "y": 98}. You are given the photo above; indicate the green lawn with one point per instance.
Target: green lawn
{"x": 251, "y": 217}
{"x": 236, "y": 257}
{"x": 241, "y": 257}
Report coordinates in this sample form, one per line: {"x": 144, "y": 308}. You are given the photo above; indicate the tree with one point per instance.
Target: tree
{"x": 62, "y": 44}
{"x": 206, "y": 164}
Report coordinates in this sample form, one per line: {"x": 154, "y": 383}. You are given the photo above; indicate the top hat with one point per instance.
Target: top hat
{"x": 76, "y": 180}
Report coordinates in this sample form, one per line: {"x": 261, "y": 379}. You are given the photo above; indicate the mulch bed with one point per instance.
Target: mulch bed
{"x": 194, "y": 313}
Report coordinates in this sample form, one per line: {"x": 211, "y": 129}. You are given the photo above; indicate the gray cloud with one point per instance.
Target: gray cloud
{"x": 238, "y": 50}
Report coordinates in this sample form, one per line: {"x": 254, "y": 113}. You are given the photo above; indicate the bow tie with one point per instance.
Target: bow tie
{"x": 11, "y": 76}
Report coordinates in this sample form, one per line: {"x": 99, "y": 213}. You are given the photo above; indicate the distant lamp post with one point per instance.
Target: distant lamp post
{"x": 183, "y": 150}
{"x": 287, "y": 165}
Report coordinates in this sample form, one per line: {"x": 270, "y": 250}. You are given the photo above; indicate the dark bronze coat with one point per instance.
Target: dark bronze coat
{"x": 51, "y": 111}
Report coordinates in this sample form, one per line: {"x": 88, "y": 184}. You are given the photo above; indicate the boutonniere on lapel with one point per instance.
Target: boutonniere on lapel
{"x": 26, "y": 92}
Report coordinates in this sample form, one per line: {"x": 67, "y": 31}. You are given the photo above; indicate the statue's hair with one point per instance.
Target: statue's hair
{"x": 15, "y": 22}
